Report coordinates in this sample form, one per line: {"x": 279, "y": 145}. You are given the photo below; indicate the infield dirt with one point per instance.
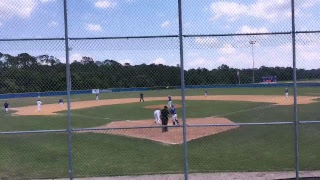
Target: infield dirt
{"x": 174, "y": 134}
{"x": 52, "y": 109}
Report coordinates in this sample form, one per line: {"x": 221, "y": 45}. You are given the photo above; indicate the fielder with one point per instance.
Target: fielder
{"x": 206, "y": 93}
{"x": 169, "y": 101}
{"x": 6, "y": 107}
{"x": 97, "y": 96}
{"x": 156, "y": 115}
{"x": 39, "y": 104}
{"x": 61, "y": 103}
{"x": 174, "y": 115}
{"x": 287, "y": 93}
{"x": 141, "y": 97}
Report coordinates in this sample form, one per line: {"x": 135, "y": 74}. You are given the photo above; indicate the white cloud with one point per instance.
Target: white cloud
{"x": 126, "y": 61}
{"x": 198, "y": 62}
{"x": 14, "y": 8}
{"x": 309, "y": 3}
{"x": 206, "y": 40}
{"x": 227, "y": 49}
{"x": 231, "y": 9}
{"x": 158, "y": 61}
{"x": 104, "y": 4}
{"x": 75, "y": 57}
{"x": 165, "y": 24}
{"x": 45, "y": 1}
{"x": 272, "y": 10}
{"x": 53, "y": 24}
{"x": 248, "y": 29}
{"x": 309, "y": 52}
{"x": 93, "y": 27}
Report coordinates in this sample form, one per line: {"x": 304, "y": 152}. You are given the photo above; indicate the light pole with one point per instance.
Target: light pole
{"x": 252, "y": 43}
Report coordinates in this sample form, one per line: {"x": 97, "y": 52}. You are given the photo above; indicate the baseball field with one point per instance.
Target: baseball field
{"x": 149, "y": 151}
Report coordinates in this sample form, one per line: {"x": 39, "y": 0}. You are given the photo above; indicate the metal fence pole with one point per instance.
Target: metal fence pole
{"x": 183, "y": 92}
{"x": 296, "y": 123}
{"x": 68, "y": 88}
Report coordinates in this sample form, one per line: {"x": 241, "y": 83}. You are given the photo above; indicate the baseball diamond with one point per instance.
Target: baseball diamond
{"x": 111, "y": 144}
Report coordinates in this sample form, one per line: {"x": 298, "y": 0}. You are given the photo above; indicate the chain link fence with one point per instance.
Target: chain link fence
{"x": 84, "y": 85}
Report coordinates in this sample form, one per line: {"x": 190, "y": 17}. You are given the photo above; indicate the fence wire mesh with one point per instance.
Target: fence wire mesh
{"x": 129, "y": 156}
{"x": 241, "y": 151}
{"x": 125, "y": 60}
{"x": 30, "y": 156}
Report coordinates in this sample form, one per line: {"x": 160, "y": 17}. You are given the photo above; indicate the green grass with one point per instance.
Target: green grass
{"x": 248, "y": 148}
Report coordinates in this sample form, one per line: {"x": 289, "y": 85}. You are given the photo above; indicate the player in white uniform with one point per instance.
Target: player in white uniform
{"x": 39, "y": 104}
{"x": 287, "y": 93}
{"x": 169, "y": 101}
{"x": 97, "y": 96}
{"x": 156, "y": 115}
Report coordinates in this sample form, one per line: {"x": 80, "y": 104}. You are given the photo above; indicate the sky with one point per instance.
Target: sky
{"x": 112, "y": 18}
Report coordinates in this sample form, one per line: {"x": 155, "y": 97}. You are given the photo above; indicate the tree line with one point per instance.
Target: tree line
{"x": 27, "y": 73}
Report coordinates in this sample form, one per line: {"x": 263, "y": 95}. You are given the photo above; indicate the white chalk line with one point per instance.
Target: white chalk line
{"x": 245, "y": 110}
{"x": 313, "y": 93}
{"x": 77, "y": 115}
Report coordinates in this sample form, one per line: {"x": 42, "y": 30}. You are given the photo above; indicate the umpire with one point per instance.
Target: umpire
{"x": 164, "y": 118}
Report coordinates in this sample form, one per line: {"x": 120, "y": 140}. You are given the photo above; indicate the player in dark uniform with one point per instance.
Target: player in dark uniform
{"x": 6, "y": 107}
{"x": 174, "y": 115}
{"x": 61, "y": 102}
{"x": 164, "y": 118}
{"x": 141, "y": 97}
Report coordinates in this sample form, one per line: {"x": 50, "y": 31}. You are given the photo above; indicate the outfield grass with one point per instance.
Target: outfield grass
{"x": 249, "y": 148}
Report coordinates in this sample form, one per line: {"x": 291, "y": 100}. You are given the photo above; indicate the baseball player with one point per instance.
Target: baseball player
{"x": 97, "y": 96}
{"x": 141, "y": 97}
{"x": 39, "y": 104}
{"x": 156, "y": 115}
{"x": 61, "y": 103}
{"x": 174, "y": 116}
{"x": 206, "y": 93}
{"x": 287, "y": 93}
{"x": 169, "y": 101}
{"x": 6, "y": 106}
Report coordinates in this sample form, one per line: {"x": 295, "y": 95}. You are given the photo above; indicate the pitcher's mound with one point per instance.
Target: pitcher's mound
{"x": 161, "y": 106}
{"x": 174, "y": 134}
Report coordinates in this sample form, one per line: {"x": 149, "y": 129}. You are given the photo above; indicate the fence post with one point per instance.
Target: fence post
{"x": 68, "y": 77}
{"x": 296, "y": 123}
{"x": 183, "y": 93}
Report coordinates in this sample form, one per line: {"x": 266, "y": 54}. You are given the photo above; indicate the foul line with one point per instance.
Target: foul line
{"x": 313, "y": 93}
{"x": 85, "y": 116}
{"x": 245, "y": 110}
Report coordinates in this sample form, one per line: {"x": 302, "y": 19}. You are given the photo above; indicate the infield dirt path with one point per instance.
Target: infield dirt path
{"x": 52, "y": 109}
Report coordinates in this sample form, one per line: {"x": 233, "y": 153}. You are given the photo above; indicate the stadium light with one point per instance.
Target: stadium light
{"x": 252, "y": 43}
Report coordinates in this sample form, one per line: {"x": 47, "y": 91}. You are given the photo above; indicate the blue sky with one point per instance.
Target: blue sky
{"x": 97, "y": 18}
